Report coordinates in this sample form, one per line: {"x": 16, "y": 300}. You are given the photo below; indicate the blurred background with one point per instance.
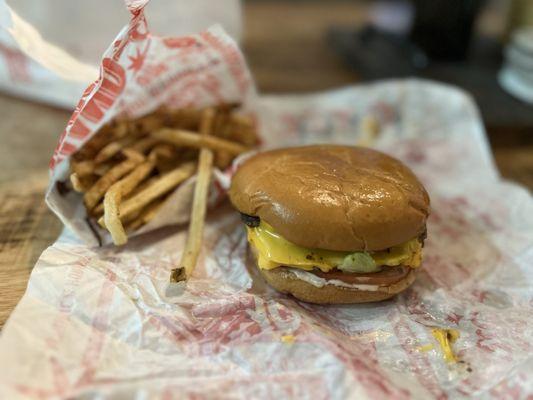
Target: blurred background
{"x": 483, "y": 46}
{"x": 292, "y": 46}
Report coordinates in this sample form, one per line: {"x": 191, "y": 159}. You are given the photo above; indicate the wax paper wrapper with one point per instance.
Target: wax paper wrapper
{"x": 105, "y": 322}
{"x": 50, "y": 50}
{"x": 139, "y": 73}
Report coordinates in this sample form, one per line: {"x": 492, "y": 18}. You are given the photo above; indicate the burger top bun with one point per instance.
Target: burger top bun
{"x": 332, "y": 197}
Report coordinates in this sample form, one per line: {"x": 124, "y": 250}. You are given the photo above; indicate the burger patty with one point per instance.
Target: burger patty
{"x": 386, "y": 276}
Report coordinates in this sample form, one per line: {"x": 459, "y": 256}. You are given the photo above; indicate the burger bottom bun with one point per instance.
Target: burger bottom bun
{"x": 283, "y": 280}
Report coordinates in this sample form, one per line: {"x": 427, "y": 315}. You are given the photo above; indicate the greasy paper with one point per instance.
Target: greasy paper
{"x": 139, "y": 73}
{"x": 105, "y": 322}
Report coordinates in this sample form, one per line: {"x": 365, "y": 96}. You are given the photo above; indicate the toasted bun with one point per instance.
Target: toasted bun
{"x": 333, "y": 197}
{"x": 283, "y": 280}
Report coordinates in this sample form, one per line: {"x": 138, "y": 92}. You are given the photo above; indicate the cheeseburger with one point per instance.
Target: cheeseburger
{"x": 332, "y": 224}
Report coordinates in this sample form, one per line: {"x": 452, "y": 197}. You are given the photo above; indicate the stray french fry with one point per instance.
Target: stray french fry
{"x": 193, "y": 244}
{"x": 370, "y": 130}
{"x": 190, "y": 139}
{"x": 97, "y": 191}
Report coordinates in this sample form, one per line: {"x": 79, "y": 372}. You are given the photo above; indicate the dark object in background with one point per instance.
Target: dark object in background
{"x": 377, "y": 54}
{"x": 443, "y": 28}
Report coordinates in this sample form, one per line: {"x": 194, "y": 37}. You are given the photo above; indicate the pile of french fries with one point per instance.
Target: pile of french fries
{"x": 128, "y": 169}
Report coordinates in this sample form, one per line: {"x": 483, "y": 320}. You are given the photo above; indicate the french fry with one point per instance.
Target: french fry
{"x": 76, "y": 184}
{"x": 127, "y": 170}
{"x": 94, "y": 144}
{"x": 158, "y": 188}
{"x": 120, "y": 129}
{"x": 223, "y": 159}
{"x": 97, "y": 191}
{"x": 190, "y": 139}
{"x": 185, "y": 118}
{"x": 150, "y": 123}
{"x": 133, "y": 154}
{"x": 163, "y": 150}
{"x": 111, "y": 217}
{"x": 220, "y": 129}
{"x": 111, "y": 149}
{"x": 165, "y": 156}
{"x": 102, "y": 169}
{"x": 82, "y": 184}
{"x": 147, "y": 214}
{"x": 82, "y": 168}
{"x": 114, "y": 196}
{"x": 144, "y": 144}
{"x": 193, "y": 244}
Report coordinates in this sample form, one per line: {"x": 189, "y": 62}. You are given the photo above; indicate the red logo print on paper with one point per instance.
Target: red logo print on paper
{"x": 17, "y": 64}
{"x": 90, "y": 112}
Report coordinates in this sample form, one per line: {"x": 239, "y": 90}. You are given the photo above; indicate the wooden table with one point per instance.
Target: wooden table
{"x": 287, "y": 54}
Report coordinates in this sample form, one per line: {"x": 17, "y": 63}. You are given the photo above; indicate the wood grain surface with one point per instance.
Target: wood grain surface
{"x": 286, "y": 54}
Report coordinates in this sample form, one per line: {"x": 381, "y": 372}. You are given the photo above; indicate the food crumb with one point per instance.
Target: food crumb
{"x": 287, "y": 339}
{"x": 425, "y": 348}
{"x": 446, "y": 338}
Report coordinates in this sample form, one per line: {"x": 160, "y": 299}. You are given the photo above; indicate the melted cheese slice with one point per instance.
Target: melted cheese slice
{"x": 274, "y": 251}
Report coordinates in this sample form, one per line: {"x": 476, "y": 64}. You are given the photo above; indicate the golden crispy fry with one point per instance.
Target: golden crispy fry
{"x": 159, "y": 187}
{"x": 163, "y": 150}
{"x": 190, "y": 139}
{"x": 81, "y": 184}
{"x": 143, "y": 185}
{"x": 112, "y": 222}
{"x": 102, "y": 169}
{"x": 150, "y": 212}
{"x": 94, "y": 144}
{"x": 150, "y": 123}
{"x": 147, "y": 214}
{"x": 223, "y": 159}
{"x": 132, "y": 182}
{"x": 193, "y": 244}
{"x": 145, "y": 144}
{"x": 120, "y": 129}
{"x": 112, "y": 149}
{"x": 98, "y": 211}
{"x": 114, "y": 196}
{"x": 76, "y": 184}
{"x": 243, "y": 121}
{"x": 97, "y": 191}
{"x": 135, "y": 177}
{"x": 129, "y": 167}
{"x": 242, "y": 129}
{"x": 166, "y": 157}
{"x": 82, "y": 168}
{"x": 186, "y": 118}
{"x": 133, "y": 155}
